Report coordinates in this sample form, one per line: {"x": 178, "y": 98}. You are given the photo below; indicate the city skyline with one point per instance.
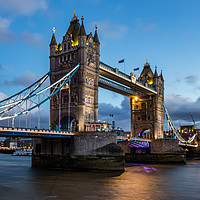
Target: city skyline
{"x": 165, "y": 33}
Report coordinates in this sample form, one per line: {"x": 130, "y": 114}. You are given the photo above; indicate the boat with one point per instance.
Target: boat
{"x": 23, "y": 152}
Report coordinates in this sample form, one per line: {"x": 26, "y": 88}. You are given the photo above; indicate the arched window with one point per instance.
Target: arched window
{"x": 69, "y": 46}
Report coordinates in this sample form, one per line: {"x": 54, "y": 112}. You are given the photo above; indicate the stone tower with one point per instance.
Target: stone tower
{"x": 70, "y": 112}
{"x": 147, "y": 110}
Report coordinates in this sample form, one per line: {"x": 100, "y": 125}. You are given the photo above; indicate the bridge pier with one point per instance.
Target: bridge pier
{"x": 86, "y": 151}
{"x": 160, "y": 151}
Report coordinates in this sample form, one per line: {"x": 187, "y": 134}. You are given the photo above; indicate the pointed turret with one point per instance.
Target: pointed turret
{"x": 96, "y": 39}
{"x": 53, "y": 39}
{"x": 82, "y": 29}
{"x": 155, "y": 73}
{"x": 161, "y": 76}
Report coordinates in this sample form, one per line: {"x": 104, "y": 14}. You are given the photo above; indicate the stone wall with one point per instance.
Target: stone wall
{"x": 87, "y": 150}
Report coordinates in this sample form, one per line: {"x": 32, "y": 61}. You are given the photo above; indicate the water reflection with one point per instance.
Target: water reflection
{"x": 147, "y": 182}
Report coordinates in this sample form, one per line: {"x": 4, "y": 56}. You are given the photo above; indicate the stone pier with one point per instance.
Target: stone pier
{"x": 86, "y": 151}
{"x": 160, "y": 151}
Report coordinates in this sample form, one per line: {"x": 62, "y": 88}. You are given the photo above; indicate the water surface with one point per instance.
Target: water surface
{"x": 139, "y": 182}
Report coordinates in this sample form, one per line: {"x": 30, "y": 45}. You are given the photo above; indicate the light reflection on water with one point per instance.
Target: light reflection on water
{"x": 139, "y": 182}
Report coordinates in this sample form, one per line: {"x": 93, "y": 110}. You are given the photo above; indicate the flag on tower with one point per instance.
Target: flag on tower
{"x": 136, "y": 69}
{"x": 121, "y": 61}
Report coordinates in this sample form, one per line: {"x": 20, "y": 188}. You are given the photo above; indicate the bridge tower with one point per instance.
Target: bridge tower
{"x": 147, "y": 110}
{"x": 77, "y": 102}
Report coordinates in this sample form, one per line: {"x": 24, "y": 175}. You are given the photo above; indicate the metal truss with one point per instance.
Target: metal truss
{"x": 177, "y": 134}
{"x": 31, "y": 97}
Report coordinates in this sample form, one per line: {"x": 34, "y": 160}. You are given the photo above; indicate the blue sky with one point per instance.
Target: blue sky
{"x": 166, "y": 32}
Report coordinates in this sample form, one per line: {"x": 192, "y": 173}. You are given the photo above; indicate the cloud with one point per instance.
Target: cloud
{"x": 23, "y": 7}
{"x": 191, "y": 79}
{"x": 121, "y": 116}
{"x": 33, "y": 39}
{"x": 144, "y": 27}
{"x": 5, "y": 34}
{"x": 180, "y": 107}
{"x": 110, "y": 30}
{"x": 2, "y": 96}
{"x": 23, "y": 80}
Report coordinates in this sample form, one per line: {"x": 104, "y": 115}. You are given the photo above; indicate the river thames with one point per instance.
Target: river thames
{"x": 139, "y": 182}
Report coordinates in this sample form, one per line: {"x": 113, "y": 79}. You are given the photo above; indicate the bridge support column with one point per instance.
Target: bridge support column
{"x": 86, "y": 150}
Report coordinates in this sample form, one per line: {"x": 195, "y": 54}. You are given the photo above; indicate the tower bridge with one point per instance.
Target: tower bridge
{"x": 75, "y": 75}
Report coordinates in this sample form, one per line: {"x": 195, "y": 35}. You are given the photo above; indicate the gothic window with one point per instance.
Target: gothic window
{"x": 69, "y": 46}
{"x": 65, "y": 58}
{"x": 143, "y": 106}
{"x": 65, "y": 47}
{"x": 89, "y": 82}
{"x": 90, "y": 45}
{"x": 68, "y": 57}
{"x": 73, "y": 56}
{"x": 91, "y": 116}
{"x": 92, "y": 100}
{"x": 144, "y": 117}
{"x": 65, "y": 99}
{"x": 61, "y": 59}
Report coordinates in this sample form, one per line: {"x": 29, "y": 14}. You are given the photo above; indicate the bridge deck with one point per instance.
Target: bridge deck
{"x": 32, "y": 133}
{"x": 120, "y": 89}
{"x": 116, "y": 75}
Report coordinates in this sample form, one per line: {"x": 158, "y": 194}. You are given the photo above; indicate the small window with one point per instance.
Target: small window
{"x": 61, "y": 59}
{"x": 65, "y": 58}
{"x": 143, "y": 105}
{"x": 65, "y": 47}
{"x": 69, "y": 46}
{"x": 68, "y": 57}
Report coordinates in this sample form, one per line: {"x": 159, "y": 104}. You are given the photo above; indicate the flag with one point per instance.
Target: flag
{"x": 121, "y": 61}
{"x": 136, "y": 69}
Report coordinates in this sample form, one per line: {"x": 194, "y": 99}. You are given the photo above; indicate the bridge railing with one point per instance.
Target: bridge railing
{"x": 9, "y": 129}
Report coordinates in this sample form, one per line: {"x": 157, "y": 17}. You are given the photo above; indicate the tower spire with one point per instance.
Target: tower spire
{"x": 96, "y": 39}
{"x": 53, "y": 39}
{"x": 155, "y": 73}
{"x": 82, "y": 29}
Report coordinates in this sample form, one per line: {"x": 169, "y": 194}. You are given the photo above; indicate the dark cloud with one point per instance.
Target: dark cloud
{"x": 191, "y": 79}
{"x": 23, "y": 80}
{"x": 121, "y": 115}
{"x": 180, "y": 107}
{"x": 5, "y": 34}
